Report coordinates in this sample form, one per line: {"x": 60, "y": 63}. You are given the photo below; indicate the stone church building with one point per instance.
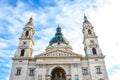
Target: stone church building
{"x": 59, "y": 62}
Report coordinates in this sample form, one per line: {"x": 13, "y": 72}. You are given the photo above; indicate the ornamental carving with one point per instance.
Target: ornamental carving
{"x": 58, "y": 54}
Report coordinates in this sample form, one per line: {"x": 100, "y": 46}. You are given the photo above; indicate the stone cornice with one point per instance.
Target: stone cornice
{"x": 25, "y": 38}
{"x": 58, "y": 57}
{"x": 59, "y": 54}
{"x": 94, "y": 57}
{"x": 23, "y": 58}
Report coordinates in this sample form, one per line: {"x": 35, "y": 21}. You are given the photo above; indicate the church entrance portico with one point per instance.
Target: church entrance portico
{"x": 58, "y": 73}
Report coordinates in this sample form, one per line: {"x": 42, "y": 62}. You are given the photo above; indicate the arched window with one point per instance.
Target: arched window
{"x": 94, "y": 51}
{"x": 22, "y": 52}
{"x": 27, "y": 32}
{"x": 89, "y": 31}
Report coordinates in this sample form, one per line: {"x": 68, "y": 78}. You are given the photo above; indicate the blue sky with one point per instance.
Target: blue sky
{"x": 47, "y": 14}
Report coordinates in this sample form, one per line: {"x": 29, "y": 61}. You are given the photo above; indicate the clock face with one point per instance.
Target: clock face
{"x": 91, "y": 41}
{"x": 24, "y": 42}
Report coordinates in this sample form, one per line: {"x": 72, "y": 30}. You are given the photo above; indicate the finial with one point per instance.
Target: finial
{"x": 31, "y": 19}
{"x": 58, "y": 26}
{"x": 58, "y": 29}
{"x": 85, "y": 17}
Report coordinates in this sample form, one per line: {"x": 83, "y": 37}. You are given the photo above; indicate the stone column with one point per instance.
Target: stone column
{"x": 36, "y": 73}
{"x": 44, "y": 72}
{"x": 72, "y": 71}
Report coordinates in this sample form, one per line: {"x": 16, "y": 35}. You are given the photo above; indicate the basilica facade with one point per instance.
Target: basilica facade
{"x": 58, "y": 62}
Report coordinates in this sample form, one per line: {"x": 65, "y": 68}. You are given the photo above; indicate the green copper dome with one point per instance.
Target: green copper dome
{"x": 58, "y": 38}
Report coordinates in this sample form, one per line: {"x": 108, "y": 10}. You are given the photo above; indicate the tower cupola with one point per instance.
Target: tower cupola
{"x": 85, "y": 19}
{"x": 30, "y": 23}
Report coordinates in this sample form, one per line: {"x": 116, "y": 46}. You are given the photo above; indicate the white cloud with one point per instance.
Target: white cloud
{"x": 40, "y": 45}
{"x": 115, "y": 76}
{"x": 3, "y": 45}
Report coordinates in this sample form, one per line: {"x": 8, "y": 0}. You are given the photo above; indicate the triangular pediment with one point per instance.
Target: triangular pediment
{"x": 58, "y": 53}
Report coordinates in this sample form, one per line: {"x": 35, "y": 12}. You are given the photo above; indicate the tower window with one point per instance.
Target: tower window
{"x": 85, "y": 71}
{"x": 22, "y": 52}
{"x": 32, "y": 71}
{"x": 27, "y": 32}
{"x": 89, "y": 31}
{"x": 98, "y": 70}
{"x": 94, "y": 51}
{"x": 18, "y": 72}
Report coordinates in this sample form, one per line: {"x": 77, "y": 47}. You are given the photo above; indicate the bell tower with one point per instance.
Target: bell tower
{"x": 91, "y": 46}
{"x": 26, "y": 41}
{"x": 93, "y": 54}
